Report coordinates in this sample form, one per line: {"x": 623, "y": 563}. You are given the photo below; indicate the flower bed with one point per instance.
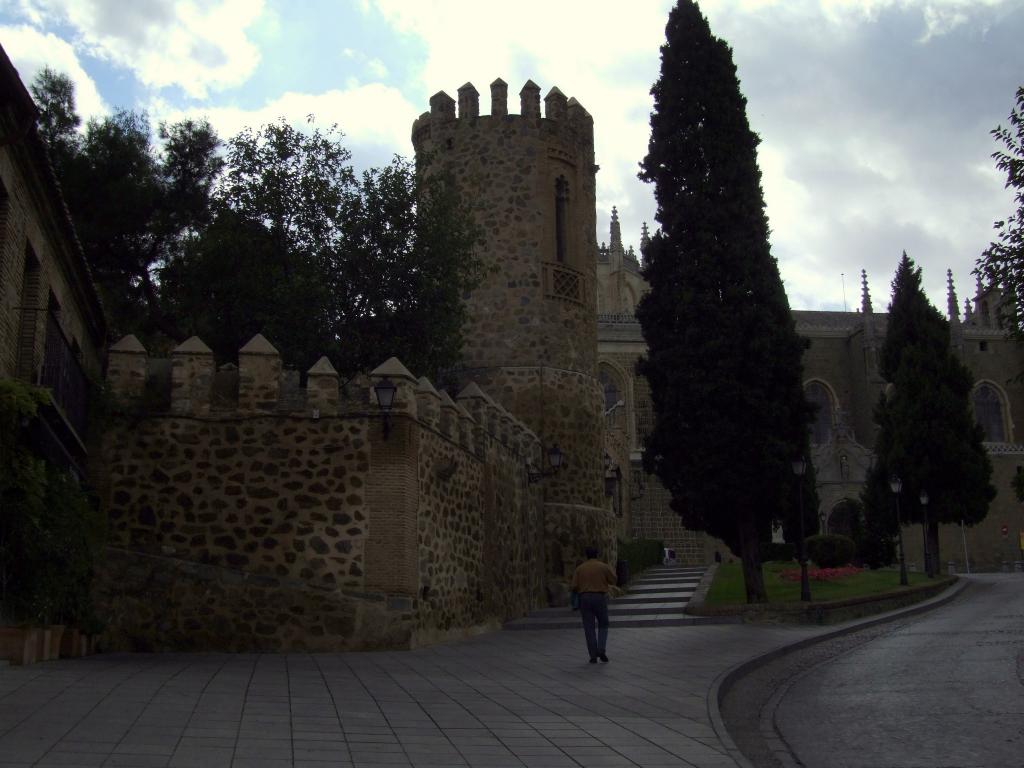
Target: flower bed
{"x": 821, "y": 574}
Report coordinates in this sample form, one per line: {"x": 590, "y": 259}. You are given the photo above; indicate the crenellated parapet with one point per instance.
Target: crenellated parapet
{"x": 563, "y": 119}
{"x": 260, "y": 385}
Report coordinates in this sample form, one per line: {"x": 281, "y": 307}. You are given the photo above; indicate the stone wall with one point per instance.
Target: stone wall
{"x": 35, "y": 231}
{"x": 281, "y": 520}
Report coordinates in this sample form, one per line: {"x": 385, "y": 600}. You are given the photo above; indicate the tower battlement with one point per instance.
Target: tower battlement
{"x": 563, "y": 118}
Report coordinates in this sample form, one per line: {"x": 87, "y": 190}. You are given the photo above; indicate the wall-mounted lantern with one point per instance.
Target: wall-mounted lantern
{"x": 385, "y": 390}
{"x": 555, "y": 458}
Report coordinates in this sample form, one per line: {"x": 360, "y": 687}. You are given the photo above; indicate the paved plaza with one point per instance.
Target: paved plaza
{"x": 525, "y": 698}
{"x": 508, "y": 698}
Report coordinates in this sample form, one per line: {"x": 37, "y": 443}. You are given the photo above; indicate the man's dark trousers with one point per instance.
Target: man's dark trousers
{"x": 594, "y": 612}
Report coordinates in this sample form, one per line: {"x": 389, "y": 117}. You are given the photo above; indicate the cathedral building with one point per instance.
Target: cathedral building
{"x": 842, "y": 378}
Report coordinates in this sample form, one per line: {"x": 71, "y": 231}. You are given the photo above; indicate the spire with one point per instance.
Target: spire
{"x": 951, "y": 300}
{"x": 967, "y": 311}
{"x": 645, "y": 237}
{"x": 616, "y": 244}
{"x": 865, "y": 295}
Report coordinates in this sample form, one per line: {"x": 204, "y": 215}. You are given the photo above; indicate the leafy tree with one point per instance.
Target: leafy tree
{"x": 274, "y": 234}
{"x": 724, "y": 359}
{"x": 133, "y": 202}
{"x": 927, "y": 436}
{"x": 59, "y": 121}
{"x": 323, "y": 262}
{"x": 1002, "y": 263}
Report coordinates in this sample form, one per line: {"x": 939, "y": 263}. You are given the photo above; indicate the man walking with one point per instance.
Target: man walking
{"x": 591, "y": 580}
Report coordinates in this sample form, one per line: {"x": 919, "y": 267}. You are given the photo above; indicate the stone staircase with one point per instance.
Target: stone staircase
{"x": 656, "y": 598}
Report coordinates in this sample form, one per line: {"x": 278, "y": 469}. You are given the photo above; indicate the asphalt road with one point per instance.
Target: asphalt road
{"x": 944, "y": 690}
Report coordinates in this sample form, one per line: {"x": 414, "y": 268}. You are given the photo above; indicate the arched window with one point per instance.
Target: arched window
{"x": 561, "y": 216}
{"x": 612, "y": 388}
{"x": 988, "y": 412}
{"x": 818, "y": 396}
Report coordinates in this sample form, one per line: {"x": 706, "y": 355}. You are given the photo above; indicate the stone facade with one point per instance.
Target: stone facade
{"x": 840, "y": 374}
{"x": 279, "y": 520}
{"x": 52, "y": 329}
{"x": 531, "y": 337}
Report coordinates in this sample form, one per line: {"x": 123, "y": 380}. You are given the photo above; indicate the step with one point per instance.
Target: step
{"x": 648, "y": 588}
{"x": 654, "y": 597}
{"x": 645, "y": 609}
{"x": 653, "y": 620}
{"x": 669, "y": 583}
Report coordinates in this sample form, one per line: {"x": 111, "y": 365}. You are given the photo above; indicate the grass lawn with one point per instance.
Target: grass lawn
{"x": 727, "y": 588}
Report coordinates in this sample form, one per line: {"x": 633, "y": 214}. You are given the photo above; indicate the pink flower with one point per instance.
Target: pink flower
{"x": 820, "y": 574}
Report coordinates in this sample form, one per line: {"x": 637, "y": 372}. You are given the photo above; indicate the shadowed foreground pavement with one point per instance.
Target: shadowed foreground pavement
{"x": 526, "y": 698}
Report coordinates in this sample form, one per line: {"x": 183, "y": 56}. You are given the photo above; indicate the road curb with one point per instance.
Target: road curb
{"x": 725, "y": 681}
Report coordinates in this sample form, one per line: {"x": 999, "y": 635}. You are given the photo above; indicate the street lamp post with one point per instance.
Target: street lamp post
{"x": 799, "y": 469}
{"x": 927, "y": 558}
{"x": 896, "y": 485}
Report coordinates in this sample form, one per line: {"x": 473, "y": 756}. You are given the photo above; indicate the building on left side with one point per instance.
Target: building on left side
{"x": 52, "y": 328}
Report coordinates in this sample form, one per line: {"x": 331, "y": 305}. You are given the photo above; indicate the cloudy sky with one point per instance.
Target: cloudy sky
{"x": 874, "y": 114}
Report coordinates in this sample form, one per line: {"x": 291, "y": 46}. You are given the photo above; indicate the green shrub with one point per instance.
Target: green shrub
{"x": 49, "y": 532}
{"x": 830, "y": 550}
{"x": 782, "y": 551}
{"x": 641, "y": 554}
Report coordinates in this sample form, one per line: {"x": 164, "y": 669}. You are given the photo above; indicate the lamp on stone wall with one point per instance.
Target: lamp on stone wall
{"x": 896, "y": 486}
{"x": 800, "y": 469}
{"x": 924, "y": 526}
{"x": 385, "y": 390}
{"x": 555, "y": 458}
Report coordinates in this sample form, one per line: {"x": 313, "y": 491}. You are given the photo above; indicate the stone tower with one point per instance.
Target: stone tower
{"x": 531, "y": 340}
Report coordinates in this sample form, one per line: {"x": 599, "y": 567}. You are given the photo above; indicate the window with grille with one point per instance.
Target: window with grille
{"x": 644, "y": 409}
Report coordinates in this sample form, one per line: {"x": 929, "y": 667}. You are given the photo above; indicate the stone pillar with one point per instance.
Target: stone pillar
{"x": 529, "y": 100}
{"x": 428, "y": 404}
{"x": 192, "y": 370}
{"x": 442, "y": 107}
{"x": 259, "y": 376}
{"x": 322, "y": 388}
{"x": 555, "y": 104}
{"x": 469, "y": 101}
{"x": 126, "y": 368}
{"x": 450, "y": 418}
{"x": 499, "y": 98}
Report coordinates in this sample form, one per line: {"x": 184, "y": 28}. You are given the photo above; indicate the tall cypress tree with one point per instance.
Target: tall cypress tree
{"x": 927, "y": 434}
{"x": 724, "y": 359}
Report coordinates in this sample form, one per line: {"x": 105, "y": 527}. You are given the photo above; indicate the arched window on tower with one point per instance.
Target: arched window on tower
{"x": 561, "y": 219}
{"x": 614, "y": 403}
{"x": 820, "y": 398}
{"x": 988, "y": 412}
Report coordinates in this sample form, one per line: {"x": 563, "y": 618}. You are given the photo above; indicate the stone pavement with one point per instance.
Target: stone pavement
{"x": 527, "y": 698}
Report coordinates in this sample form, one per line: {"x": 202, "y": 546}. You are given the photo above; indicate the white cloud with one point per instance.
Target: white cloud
{"x": 32, "y": 50}
{"x": 604, "y": 57}
{"x": 197, "y": 46}
{"x": 373, "y": 117}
